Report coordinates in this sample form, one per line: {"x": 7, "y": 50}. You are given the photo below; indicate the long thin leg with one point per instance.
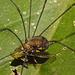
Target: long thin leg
{"x": 21, "y": 18}
{"x": 58, "y": 43}
{"x": 14, "y": 34}
{"x": 39, "y": 17}
{"x": 9, "y": 55}
{"x": 29, "y": 18}
{"x": 24, "y": 63}
{"x": 62, "y": 44}
{"x": 5, "y": 57}
{"x": 22, "y": 67}
{"x": 57, "y": 18}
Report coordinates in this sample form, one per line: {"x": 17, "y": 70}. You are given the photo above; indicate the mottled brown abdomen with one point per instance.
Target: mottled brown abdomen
{"x": 37, "y": 43}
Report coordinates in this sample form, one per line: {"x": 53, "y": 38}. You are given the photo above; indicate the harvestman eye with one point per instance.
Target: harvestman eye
{"x": 34, "y": 45}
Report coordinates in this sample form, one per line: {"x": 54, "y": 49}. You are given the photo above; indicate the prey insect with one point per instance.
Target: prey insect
{"x": 35, "y": 44}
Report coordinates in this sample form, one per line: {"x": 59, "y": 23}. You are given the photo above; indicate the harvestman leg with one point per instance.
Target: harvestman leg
{"x": 14, "y": 34}
{"x": 58, "y": 43}
{"x": 29, "y": 19}
{"x": 57, "y": 18}
{"x": 21, "y": 18}
{"x": 39, "y": 17}
{"x": 24, "y": 64}
{"x": 62, "y": 44}
{"x": 16, "y": 37}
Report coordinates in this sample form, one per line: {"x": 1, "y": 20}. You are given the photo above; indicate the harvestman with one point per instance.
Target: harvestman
{"x": 34, "y": 43}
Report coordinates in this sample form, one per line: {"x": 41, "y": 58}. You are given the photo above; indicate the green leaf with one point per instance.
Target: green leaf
{"x": 62, "y": 30}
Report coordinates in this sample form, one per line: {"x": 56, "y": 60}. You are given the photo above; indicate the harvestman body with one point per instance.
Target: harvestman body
{"x": 38, "y": 43}
{"x": 34, "y": 43}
